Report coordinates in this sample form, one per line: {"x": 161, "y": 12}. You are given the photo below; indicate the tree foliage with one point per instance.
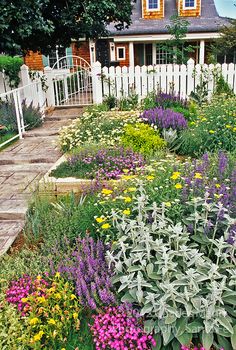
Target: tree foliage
{"x": 226, "y": 43}
{"x": 42, "y": 24}
{"x": 176, "y": 45}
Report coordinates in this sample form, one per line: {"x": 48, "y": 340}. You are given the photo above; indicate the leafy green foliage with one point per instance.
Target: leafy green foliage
{"x": 182, "y": 292}
{"x": 226, "y": 43}
{"x": 10, "y": 66}
{"x": 142, "y": 138}
{"x": 176, "y": 46}
{"x": 212, "y": 130}
{"x": 57, "y": 22}
{"x": 32, "y": 115}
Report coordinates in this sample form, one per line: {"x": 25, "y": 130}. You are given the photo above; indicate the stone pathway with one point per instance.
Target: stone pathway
{"x": 21, "y": 167}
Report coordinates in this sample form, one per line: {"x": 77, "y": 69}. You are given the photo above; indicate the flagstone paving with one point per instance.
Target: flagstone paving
{"x": 21, "y": 167}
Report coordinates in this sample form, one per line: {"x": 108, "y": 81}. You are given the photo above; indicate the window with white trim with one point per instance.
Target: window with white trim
{"x": 120, "y": 52}
{"x": 189, "y": 4}
{"x": 163, "y": 56}
{"x": 55, "y": 55}
{"x": 152, "y": 5}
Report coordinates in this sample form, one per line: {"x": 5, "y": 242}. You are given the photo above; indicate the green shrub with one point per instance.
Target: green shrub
{"x": 143, "y": 139}
{"x": 11, "y": 67}
{"x": 110, "y": 101}
{"x": 128, "y": 103}
{"x": 32, "y": 115}
{"x": 212, "y": 130}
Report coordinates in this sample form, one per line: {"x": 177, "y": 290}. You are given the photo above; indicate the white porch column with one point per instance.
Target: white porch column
{"x": 154, "y": 53}
{"x": 131, "y": 54}
{"x": 202, "y": 52}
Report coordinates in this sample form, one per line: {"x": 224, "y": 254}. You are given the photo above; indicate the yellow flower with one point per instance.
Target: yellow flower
{"x": 150, "y": 177}
{"x": 204, "y": 119}
{"x": 167, "y": 204}
{"x": 228, "y": 126}
{"x": 178, "y": 186}
{"x": 125, "y": 171}
{"x": 75, "y": 315}
{"x": 58, "y": 296}
{"x": 211, "y": 131}
{"x": 132, "y": 189}
{"x": 127, "y": 199}
{"x": 126, "y": 212}
{"x": 24, "y": 300}
{"x": 57, "y": 275}
{"x": 100, "y": 220}
{"x": 234, "y": 129}
{"x": 33, "y": 321}
{"x": 51, "y": 321}
{"x": 72, "y": 297}
{"x": 175, "y": 175}
{"x": 39, "y": 277}
{"x": 63, "y": 349}
{"x": 218, "y": 186}
{"x": 192, "y": 123}
{"x": 106, "y": 226}
{"x": 106, "y": 192}
{"x": 41, "y": 299}
{"x": 38, "y": 336}
{"x": 198, "y": 176}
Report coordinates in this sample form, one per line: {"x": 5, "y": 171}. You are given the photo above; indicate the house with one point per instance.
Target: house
{"x": 140, "y": 44}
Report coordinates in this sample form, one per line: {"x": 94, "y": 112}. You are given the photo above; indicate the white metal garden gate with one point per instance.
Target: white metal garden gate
{"x": 72, "y": 82}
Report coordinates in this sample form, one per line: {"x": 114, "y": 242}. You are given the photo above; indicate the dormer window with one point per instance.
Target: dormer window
{"x": 153, "y": 5}
{"x": 189, "y": 4}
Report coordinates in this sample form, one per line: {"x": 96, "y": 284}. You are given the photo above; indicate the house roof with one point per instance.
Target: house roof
{"x": 209, "y": 21}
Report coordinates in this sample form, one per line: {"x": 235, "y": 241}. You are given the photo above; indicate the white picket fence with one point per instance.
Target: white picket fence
{"x": 183, "y": 79}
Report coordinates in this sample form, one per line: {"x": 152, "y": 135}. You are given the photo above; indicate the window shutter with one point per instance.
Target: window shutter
{"x": 45, "y": 61}
{"x": 69, "y": 53}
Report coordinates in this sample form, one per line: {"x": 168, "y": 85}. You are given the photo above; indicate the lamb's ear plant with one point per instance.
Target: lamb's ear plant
{"x": 185, "y": 295}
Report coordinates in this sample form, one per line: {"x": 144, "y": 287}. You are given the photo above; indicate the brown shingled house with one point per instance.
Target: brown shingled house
{"x": 140, "y": 43}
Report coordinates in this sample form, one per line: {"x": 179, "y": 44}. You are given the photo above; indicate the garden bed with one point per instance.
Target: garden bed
{"x": 146, "y": 265}
{"x": 50, "y": 185}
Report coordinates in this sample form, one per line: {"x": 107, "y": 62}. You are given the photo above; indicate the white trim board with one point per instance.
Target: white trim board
{"x": 163, "y": 37}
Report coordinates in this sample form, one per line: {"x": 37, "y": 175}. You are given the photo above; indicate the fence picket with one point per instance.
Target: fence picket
{"x": 150, "y": 78}
{"x": 163, "y": 77}
{"x": 176, "y": 80}
{"x": 119, "y": 91}
{"x": 183, "y": 81}
{"x": 125, "y": 81}
{"x": 231, "y": 75}
{"x": 105, "y": 80}
{"x": 169, "y": 81}
{"x": 144, "y": 79}
{"x": 131, "y": 79}
{"x": 112, "y": 81}
{"x": 137, "y": 74}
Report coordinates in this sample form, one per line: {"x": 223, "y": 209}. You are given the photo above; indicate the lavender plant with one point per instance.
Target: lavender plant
{"x": 186, "y": 295}
{"x": 168, "y": 100}
{"x": 164, "y": 118}
{"x": 86, "y": 266}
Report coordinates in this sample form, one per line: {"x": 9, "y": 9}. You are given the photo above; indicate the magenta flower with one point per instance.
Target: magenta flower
{"x": 120, "y": 328}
